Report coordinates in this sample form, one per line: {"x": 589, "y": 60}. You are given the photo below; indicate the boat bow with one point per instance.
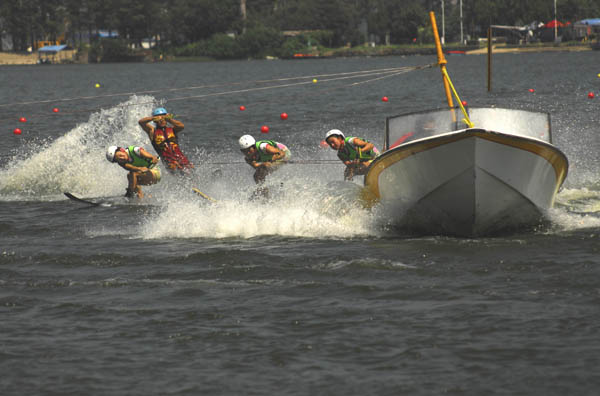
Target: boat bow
{"x": 467, "y": 182}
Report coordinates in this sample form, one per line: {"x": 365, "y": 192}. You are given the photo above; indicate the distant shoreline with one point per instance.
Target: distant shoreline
{"x": 504, "y": 50}
{"x": 9, "y": 58}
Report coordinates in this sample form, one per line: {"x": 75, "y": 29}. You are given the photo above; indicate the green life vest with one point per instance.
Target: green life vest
{"x": 350, "y": 153}
{"x": 138, "y": 160}
{"x": 264, "y": 157}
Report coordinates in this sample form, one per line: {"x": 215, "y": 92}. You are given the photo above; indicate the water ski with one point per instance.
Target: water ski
{"x": 111, "y": 201}
{"x": 200, "y": 193}
{"x": 86, "y": 201}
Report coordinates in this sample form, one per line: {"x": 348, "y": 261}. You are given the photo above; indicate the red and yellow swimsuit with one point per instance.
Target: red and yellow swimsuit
{"x": 164, "y": 141}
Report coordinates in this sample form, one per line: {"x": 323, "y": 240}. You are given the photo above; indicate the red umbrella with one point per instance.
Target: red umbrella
{"x": 554, "y": 23}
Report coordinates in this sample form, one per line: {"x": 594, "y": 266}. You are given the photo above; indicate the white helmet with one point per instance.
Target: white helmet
{"x": 334, "y": 132}
{"x": 246, "y": 141}
{"x": 110, "y": 153}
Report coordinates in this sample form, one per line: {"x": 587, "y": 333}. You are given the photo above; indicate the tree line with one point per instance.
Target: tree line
{"x": 258, "y": 24}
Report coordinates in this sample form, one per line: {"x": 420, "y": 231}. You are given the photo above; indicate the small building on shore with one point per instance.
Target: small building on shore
{"x": 586, "y": 28}
{"x": 56, "y": 54}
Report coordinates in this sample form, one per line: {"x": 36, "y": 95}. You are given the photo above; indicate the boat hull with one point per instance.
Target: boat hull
{"x": 472, "y": 182}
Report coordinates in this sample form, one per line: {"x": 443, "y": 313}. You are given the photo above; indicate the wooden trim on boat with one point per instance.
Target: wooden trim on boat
{"x": 545, "y": 150}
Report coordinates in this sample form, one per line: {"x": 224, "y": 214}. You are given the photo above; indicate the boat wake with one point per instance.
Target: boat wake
{"x": 576, "y": 208}
{"x": 295, "y": 209}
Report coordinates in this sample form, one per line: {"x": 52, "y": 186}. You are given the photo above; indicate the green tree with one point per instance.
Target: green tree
{"x": 575, "y": 10}
{"x": 180, "y": 22}
{"x": 75, "y": 23}
{"x": 398, "y": 19}
{"x": 22, "y": 21}
{"x": 260, "y": 41}
{"x": 139, "y": 19}
{"x": 194, "y": 20}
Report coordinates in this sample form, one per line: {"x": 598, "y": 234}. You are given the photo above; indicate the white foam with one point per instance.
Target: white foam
{"x": 317, "y": 211}
{"x": 76, "y": 161}
{"x": 576, "y": 208}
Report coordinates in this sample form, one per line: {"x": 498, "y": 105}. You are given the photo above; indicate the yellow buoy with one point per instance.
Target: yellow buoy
{"x": 315, "y": 80}
{"x": 97, "y": 85}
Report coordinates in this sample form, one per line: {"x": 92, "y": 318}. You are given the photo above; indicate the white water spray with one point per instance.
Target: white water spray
{"x": 76, "y": 161}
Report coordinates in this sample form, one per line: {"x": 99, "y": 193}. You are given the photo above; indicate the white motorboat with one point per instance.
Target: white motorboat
{"x": 438, "y": 176}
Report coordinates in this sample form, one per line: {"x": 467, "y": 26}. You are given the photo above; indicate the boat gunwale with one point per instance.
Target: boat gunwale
{"x": 557, "y": 159}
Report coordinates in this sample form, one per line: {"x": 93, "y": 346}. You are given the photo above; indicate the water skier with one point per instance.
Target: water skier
{"x": 356, "y": 153}
{"x": 164, "y": 140}
{"x": 140, "y": 164}
{"x": 265, "y": 156}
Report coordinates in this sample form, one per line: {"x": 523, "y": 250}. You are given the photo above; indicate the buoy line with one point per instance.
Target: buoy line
{"x": 381, "y": 73}
{"x": 357, "y": 74}
{"x": 283, "y": 86}
{"x": 378, "y": 74}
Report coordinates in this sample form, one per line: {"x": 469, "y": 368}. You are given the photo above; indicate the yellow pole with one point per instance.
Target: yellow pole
{"x": 466, "y": 120}
{"x": 441, "y": 60}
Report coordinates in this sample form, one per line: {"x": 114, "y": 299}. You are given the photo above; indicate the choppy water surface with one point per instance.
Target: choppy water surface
{"x": 307, "y": 293}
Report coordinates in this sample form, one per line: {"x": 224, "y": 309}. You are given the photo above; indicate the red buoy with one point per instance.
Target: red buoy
{"x": 591, "y": 95}
{"x": 384, "y": 99}
{"x": 531, "y": 90}
{"x": 464, "y": 103}
{"x": 55, "y": 109}
{"x": 284, "y": 116}
{"x": 242, "y": 108}
{"x": 22, "y": 119}
{"x": 17, "y": 131}
{"x": 264, "y": 129}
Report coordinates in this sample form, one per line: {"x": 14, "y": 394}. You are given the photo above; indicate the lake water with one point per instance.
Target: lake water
{"x": 303, "y": 294}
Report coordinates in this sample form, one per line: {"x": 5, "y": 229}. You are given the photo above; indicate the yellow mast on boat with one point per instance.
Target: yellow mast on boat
{"x": 449, "y": 88}
{"x": 441, "y": 59}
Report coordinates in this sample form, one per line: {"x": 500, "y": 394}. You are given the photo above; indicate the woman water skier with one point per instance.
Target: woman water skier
{"x": 356, "y": 153}
{"x": 164, "y": 140}
{"x": 140, "y": 164}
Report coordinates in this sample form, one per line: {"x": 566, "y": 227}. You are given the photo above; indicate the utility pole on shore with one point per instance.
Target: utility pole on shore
{"x": 462, "y": 40}
{"x": 555, "y": 23}
{"x": 243, "y": 12}
{"x": 443, "y": 25}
